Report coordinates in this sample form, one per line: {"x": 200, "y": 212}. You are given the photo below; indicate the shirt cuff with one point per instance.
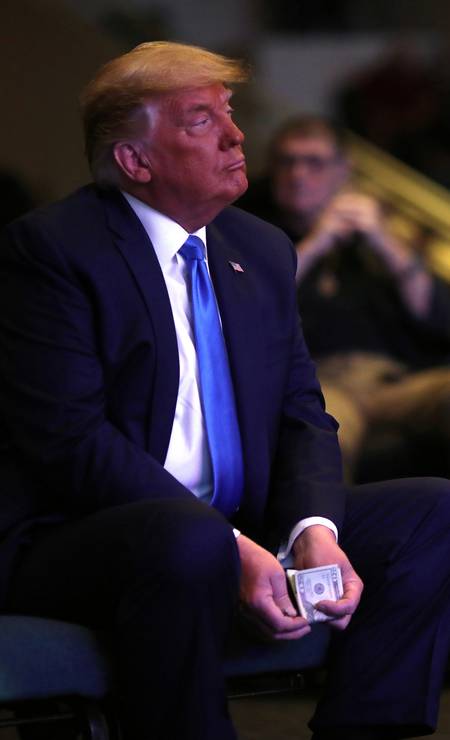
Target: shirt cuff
{"x": 284, "y": 553}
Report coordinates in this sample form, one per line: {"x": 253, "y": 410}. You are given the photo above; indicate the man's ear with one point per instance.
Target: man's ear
{"x": 133, "y": 163}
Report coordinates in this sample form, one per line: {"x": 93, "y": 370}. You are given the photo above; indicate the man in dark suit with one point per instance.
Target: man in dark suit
{"x": 105, "y": 409}
{"x": 385, "y": 372}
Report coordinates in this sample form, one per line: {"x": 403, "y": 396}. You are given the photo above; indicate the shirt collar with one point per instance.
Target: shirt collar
{"x": 167, "y": 236}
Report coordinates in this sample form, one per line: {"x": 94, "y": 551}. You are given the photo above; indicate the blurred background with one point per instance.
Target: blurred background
{"x": 382, "y": 69}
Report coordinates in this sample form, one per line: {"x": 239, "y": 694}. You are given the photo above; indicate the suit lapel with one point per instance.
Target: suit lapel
{"x": 239, "y": 305}
{"x": 236, "y": 294}
{"x": 132, "y": 241}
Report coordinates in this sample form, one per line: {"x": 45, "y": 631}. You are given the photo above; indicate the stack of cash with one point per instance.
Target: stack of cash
{"x": 315, "y": 584}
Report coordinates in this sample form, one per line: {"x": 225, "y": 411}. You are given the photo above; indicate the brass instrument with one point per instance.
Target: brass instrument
{"x": 417, "y": 209}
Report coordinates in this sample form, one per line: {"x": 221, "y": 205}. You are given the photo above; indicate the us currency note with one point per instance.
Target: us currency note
{"x": 315, "y": 584}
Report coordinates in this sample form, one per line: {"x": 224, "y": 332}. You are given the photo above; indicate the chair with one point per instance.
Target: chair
{"x": 54, "y": 671}
{"x": 253, "y": 667}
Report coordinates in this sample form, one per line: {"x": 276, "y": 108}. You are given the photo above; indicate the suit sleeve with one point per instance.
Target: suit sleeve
{"x": 307, "y": 470}
{"x": 52, "y": 392}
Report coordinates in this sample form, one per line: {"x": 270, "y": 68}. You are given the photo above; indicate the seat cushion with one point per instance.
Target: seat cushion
{"x": 247, "y": 657}
{"x": 46, "y": 658}
{"x": 42, "y": 658}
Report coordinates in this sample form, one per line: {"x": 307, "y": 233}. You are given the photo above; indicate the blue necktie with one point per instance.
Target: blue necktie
{"x": 215, "y": 383}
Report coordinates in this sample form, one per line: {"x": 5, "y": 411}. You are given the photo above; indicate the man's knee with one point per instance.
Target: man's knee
{"x": 429, "y": 510}
{"x": 185, "y": 541}
{"x": 202, "y": 546}
{"x": 439, "y": 489}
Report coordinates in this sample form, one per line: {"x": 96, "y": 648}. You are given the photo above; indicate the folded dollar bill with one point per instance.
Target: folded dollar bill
{"x": 315, "y": 584}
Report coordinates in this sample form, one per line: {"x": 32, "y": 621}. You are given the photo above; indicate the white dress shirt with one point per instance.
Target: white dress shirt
{"x": 188, "y": 456}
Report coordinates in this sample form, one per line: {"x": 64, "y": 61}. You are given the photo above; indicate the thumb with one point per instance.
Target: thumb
{"x": 281, "y": 596}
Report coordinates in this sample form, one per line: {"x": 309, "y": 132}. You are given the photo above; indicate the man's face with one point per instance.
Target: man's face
{"x": 307, "y": 171}
{"x": 195, "y": 155}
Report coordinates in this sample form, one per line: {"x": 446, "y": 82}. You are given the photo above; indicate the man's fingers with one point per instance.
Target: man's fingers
{"x": 342, "y": 610}
{"x": 353, "y": 588}
{"x": 337, "y": 609}
{"x": 275, "y": 609}
{"x": 280, "y": 595}
{"x": 277, "y": 619}
{"x": 273, "y": 625}
{"x": 285, "y": 606}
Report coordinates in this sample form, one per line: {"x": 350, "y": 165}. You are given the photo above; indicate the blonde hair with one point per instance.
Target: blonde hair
{"x": 113, "y": 103}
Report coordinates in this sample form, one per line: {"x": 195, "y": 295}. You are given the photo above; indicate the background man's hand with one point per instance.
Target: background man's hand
{"x": 317, "y": 546}
{"x": 351, "y": 212}
{"x": 264, "y": 596}
{"x": 348, "y": 213}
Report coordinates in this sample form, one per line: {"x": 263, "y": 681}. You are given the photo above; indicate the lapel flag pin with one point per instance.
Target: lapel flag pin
{"x": 236, "y": 266}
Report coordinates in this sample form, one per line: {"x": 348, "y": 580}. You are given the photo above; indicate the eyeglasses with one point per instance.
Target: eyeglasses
{"x": 313, "y": 162}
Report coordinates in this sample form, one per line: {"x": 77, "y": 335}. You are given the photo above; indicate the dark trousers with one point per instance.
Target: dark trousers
{"x": 163, "y": 578}
{"x": 386, "y": 669}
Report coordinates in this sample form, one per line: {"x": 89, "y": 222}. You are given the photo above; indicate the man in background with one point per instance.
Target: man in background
{"x": 160, "y": 405}
{"x": 376, "y": 321}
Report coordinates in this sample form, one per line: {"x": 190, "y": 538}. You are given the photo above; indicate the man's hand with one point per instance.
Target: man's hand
{"x": 348, "y": 213}
{"x": 264, "y": 596}
{"x": 351, "y": 212}
{"x": 317, "y": 546}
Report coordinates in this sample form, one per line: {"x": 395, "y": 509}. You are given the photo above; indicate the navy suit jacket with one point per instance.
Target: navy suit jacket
{"x": 89, "y": 369}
